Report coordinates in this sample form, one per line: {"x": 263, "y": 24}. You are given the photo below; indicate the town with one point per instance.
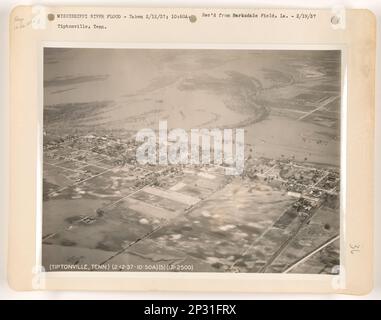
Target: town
{"x": 104, "y": 167}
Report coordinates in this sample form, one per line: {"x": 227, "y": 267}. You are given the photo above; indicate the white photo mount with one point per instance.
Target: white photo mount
{"x": 350, "y": 31}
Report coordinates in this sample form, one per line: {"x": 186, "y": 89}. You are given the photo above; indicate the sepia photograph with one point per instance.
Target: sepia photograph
{"x": 191, "y": 160}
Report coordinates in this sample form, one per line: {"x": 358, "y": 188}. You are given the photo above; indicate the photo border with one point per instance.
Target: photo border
{"x": 358, "y": 37}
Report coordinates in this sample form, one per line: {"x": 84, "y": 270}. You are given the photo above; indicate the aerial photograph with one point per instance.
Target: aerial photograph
{"x": 191, "y": 160}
